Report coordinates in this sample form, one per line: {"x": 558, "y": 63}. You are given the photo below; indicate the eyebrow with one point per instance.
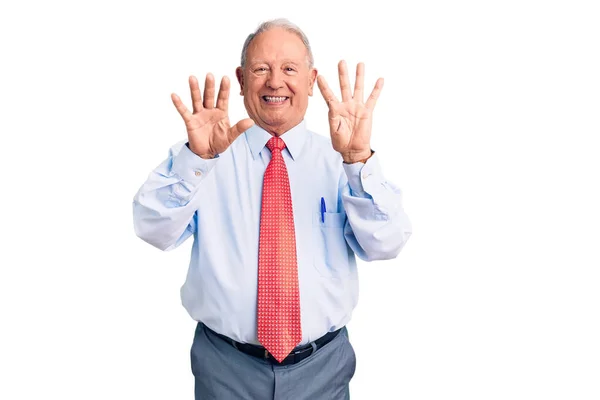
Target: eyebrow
{"x": 260, "y": 61}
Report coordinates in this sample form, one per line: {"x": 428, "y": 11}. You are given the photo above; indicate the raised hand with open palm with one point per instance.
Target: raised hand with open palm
{"x": 208, "y": 128}
{"x": 351, "y": 119}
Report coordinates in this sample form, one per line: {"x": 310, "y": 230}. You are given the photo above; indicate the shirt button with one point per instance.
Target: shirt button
{"x": 365, "y": 175}
{"x": 198, "y": 173}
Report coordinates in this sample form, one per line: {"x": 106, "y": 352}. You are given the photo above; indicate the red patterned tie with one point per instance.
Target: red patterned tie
{"x": 279, "y": 328}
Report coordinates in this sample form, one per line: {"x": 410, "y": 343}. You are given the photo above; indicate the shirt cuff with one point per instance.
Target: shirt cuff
{"x": 190, "y": 167}
{"x": 364, "y": 178}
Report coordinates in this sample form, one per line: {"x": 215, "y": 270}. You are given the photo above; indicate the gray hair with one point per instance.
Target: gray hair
{"x": 277, "y": 23}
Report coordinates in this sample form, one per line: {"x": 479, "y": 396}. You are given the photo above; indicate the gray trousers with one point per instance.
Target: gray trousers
{"x": 222, "y": 372}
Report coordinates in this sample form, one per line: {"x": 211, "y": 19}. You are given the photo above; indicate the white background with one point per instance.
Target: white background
{"x": 487, "y": 122}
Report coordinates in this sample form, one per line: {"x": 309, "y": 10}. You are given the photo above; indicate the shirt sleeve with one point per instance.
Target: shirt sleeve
{"x": 377, "y": 227}
{"x": 165, "y": 205}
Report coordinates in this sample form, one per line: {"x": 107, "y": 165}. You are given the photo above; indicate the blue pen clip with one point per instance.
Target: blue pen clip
{"x": 323, "y": 209}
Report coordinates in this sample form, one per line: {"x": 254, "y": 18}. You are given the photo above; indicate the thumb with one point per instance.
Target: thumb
{"x": 240, "y": 128}
{"x": 335, "y": 122}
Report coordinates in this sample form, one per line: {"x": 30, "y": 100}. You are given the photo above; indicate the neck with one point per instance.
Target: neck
{"x": 279, "y": 129}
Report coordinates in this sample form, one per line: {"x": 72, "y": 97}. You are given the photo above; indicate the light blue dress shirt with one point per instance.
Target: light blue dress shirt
{"x": 218, "y": 202}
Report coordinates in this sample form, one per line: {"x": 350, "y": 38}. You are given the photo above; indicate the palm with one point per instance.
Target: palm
{"x": 208, "y": 128}
{"x": 351, "y": 120}
{"x": 350, "y": 127}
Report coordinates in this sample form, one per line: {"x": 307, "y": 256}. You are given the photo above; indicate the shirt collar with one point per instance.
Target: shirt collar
{"x": 294, "y": 139}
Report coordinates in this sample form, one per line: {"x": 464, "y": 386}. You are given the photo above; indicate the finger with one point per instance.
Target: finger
{"x": 326, "y": 91}
{"x": 209, "y": 91}
{"x": 223, "y": 98}
{"x": 344, "y": 81}
{"x": 240, "y": 128}
{"x": 196, "y": 95}
{"x": 181, "y": 108}
{"x": 360, "y": 82}
{"x": 372, "y": 100}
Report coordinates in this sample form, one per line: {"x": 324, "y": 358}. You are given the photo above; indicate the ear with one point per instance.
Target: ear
{"x": 312, "y": 77}
{"x": 239, "y": 73}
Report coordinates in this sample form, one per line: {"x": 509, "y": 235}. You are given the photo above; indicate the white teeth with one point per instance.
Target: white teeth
{"x": 272, "y": 99}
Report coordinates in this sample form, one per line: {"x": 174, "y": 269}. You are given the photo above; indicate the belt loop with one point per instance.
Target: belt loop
{"x": 314, "y": 347}
{"x": 234, "y": 344}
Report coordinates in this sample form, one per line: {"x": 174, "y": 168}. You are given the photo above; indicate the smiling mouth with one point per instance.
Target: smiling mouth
{"x": 275, "y": 99}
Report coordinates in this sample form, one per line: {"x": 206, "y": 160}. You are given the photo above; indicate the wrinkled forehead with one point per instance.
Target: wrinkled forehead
{"x": 277, "y": 46}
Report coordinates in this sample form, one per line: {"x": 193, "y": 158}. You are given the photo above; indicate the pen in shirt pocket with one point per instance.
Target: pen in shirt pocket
{"x": 323, "y": 209}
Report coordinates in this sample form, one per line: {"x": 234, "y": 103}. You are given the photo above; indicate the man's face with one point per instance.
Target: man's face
{"x": 276, "y": 80}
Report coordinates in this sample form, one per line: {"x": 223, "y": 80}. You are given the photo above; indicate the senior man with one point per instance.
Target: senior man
{"x": 278, "y": 214}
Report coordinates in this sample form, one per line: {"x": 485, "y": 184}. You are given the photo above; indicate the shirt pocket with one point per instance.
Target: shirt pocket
{"x": 330, "y": 250}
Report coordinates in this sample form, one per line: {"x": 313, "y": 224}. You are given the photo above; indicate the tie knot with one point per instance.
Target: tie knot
{"x": 276, "y": 143}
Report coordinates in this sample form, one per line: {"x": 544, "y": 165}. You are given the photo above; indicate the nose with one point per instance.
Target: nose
{"x": 275, "y": 79}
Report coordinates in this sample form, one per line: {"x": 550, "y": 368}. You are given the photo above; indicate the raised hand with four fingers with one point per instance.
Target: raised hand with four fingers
{"x": 351, "y": 119}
